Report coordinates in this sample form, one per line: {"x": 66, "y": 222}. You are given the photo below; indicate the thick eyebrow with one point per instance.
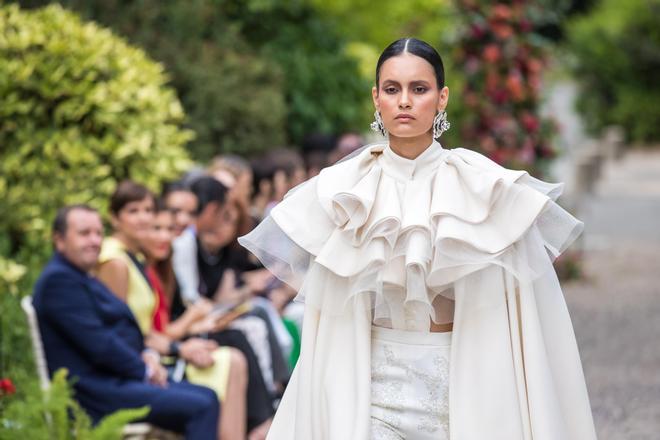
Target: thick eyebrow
{"x": 392, "y": 82}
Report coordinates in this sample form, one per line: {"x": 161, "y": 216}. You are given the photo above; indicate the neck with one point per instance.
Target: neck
{"x": 86, "y": 270}
{"x": 130, "y": 247}
{"x": 411, "y": 147}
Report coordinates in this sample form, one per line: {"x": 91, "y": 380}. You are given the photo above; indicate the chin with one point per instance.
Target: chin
{"x": 407, "y": 134}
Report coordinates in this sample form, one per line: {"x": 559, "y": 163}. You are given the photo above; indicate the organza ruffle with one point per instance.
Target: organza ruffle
{"x": 361, "y": 228}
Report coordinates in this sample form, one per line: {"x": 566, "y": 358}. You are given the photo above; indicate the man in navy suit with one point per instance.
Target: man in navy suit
{"x": 87, "y": 330}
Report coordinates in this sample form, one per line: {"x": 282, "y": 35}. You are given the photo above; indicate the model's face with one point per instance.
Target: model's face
{"x": 183, "y": 204}
{"x": 81, "y": 244}
{"x": 134, "y": 220}
{"x": 159, "y": 239}
{"x": 408, "y": 97}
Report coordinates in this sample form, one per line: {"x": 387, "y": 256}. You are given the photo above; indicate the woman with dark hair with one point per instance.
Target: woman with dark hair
{"x": 121, "y": 262}
{"x": 182, "y": 202}
{"x": 432, "y": 309}
{"x": 228, "y": 374}
{"x": 246, "y": 403}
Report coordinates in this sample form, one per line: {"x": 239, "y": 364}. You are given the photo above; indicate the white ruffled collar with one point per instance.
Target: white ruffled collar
{"x": 404, "y": 169}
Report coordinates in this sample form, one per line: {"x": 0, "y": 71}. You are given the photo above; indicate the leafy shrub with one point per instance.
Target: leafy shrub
{"x": 617, "y": 55}
{"x": 81, "y": 109}
{"x": 54, "y": 414}
{"x": 234, "y": 99}
{"x": 251, "y": 74}
{"x": 324, "y": 88}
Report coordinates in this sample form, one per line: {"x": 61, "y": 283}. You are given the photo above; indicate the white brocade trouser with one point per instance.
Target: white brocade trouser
{"x": 409, "y": 385}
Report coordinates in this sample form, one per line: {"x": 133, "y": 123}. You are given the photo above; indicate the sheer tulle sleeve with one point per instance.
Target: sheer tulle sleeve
{"x": 277, "y": 252}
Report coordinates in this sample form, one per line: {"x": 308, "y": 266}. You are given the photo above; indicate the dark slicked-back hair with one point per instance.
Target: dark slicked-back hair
{"x": 208, "y": 190}
{"x": 414, "y": 47}
{"x": 60, "y": 223}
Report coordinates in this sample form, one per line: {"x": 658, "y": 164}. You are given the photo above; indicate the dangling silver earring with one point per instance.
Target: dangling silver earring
{"x": 440, "y": 124}
{"x": 377, "y": 125}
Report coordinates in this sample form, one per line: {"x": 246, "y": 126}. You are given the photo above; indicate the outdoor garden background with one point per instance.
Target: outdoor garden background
{"x": 94, "y": 91}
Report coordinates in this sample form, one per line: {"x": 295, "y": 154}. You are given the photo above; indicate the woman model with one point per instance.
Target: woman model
{"x": 432, "y": 309}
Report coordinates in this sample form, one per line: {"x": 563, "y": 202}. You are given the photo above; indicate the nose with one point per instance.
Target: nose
{"x": 404, "y": 102}
{"x": 96, "y": 239}
{"x": 147, "y": 216}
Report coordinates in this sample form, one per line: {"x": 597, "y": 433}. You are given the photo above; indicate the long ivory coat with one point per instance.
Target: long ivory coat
{"x": 377, "y": 234}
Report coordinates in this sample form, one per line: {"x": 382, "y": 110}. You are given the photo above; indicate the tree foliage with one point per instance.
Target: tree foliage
{"x": 81, "y": 109}
{"x": 325, "y": 90}
{"x": 251, "y": 74}
{"x": 617, "y": 55}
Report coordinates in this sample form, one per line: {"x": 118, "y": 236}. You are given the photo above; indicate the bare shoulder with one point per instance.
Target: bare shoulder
{"x": 113, "y": 266}
{"x": 114, "y": 274}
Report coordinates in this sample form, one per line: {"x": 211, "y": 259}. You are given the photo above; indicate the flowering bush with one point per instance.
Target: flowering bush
{"x": 502, "y": 59}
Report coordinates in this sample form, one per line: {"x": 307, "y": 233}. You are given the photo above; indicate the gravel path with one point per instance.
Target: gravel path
{"x": 616, "y": 307}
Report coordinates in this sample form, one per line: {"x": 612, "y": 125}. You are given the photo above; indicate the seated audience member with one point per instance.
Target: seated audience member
{"x": 347, "y": 144}
{"x": 315, "y": 150}
{"x": 202, "y": 259}
{"x": 240, "y": 383}
{"x": 121, "y": 263}
{"x": 211, "y": 196}
{"x": 240, "y": 185}
{"x": 182, "y": 202}
{"x": 228, "y": 375}
{"x": 275, "y": 174}
{"x": 89, "y": 331}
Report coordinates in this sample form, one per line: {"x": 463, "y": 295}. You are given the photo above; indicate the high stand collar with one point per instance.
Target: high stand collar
{"x": 411, "y": 169}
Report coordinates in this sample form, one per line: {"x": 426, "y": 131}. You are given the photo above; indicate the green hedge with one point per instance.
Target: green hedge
{"x": 81, "y": 109}
{"x": 617, "y": 51}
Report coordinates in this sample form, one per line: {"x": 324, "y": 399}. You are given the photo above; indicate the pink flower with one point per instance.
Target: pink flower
{"x": 534, "y": 65}
{"x": 515, "y": 85}
{"x": 502, "y": 30}
{"x": 501, "y": 12}
{"x": 477, "y": 31}
{"x": 492, "y": 81}
{"x": 491, "y": 53}
{"x": 530, "y": 122}
{"x": 472, "y": 65}
{"x": 527, "y": 154}
{"x": 500, "y": 96}
{"x": 526, "y": 25}
{"x": 471, "y": 100}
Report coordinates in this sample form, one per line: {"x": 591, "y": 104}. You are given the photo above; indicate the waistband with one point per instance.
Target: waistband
{"x": 410, "y": 337}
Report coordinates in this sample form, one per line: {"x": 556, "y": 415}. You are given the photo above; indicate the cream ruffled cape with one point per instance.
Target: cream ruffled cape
{"x": 450, "y": 235}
